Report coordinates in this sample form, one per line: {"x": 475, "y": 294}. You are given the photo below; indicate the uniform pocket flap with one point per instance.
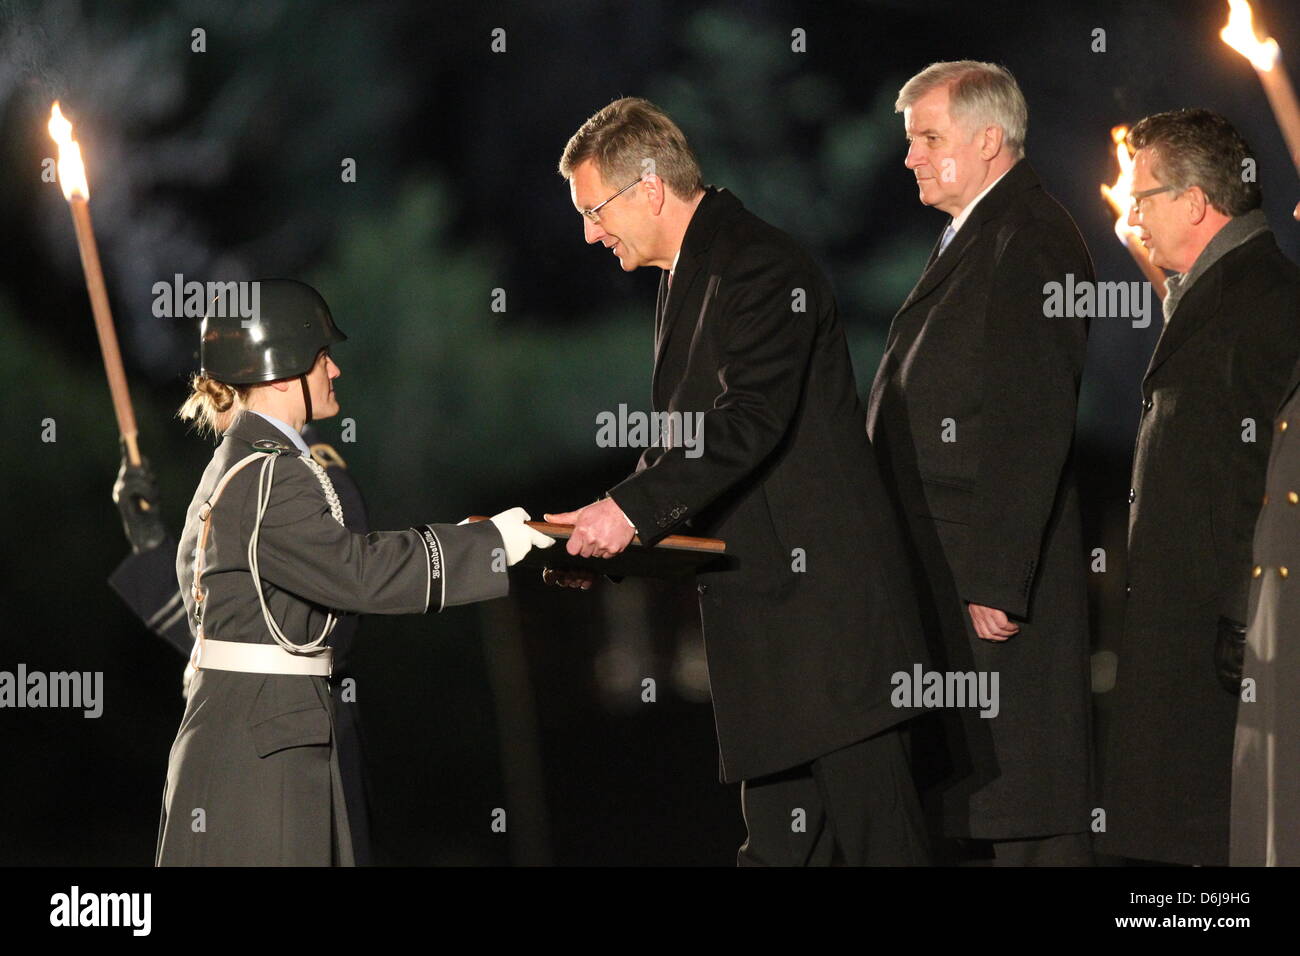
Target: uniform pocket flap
{"x": 295, "y": 728}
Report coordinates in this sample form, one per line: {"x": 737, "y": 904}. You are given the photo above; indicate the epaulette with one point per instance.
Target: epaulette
{"x": 326, "y": 456}
{"x": 272, "y": 447}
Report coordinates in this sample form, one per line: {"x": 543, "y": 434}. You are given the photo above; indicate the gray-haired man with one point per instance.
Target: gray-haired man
{"x": 972, "y": 417}
{"x": 802, "y": 657}
{"x": 1211, "y": 390}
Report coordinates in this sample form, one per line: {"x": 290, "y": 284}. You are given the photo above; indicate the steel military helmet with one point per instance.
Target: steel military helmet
{"x": 290, "y": 325}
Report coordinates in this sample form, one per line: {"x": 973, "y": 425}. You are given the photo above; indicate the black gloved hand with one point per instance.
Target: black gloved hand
{"x": 1230, "y": 654}
{"x": 136, "y": 495}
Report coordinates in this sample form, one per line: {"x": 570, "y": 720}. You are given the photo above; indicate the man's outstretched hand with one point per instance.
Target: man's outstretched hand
{"x": 600, "y": 530}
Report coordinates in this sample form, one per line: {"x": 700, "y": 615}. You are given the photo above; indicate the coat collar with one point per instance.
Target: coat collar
{"x": 714, "y": 209}
{"x": 1017, "y": 181}
{"x": 717, "y": 206}
{"x": 1235, "y": 232}
{"x": 1202, "y": 302}
{"x": 248, "y": 428}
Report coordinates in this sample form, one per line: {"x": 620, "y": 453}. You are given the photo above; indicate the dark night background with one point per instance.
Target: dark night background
{"x": 226, "y": 165}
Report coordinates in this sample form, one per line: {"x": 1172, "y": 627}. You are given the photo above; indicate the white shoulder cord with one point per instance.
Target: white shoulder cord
{"x": 327, "y": 486}
{"x": 264, "y": 479}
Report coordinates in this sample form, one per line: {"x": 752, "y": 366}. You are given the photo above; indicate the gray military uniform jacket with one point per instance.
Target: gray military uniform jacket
{"x": 253, "y": 778}
{"x": 1265, "y": 829}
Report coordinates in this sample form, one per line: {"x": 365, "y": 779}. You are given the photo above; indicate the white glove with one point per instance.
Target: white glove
{"x": 519, "y": 539}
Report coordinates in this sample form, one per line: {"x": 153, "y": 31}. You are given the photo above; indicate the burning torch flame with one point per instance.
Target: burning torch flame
{"x": 72, "y": 171}
{"x": 1120, "y": 195}
{"x": 1240, "y": 35}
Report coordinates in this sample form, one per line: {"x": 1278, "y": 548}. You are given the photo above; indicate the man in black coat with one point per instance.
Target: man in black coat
{"x": 972, "y": 414}
{"x": 805, "y": 632}
{"x": 146, "y": 581}
{"x": 1214, "y": 383}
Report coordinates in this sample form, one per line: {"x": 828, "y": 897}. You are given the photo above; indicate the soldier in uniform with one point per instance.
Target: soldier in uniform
{"x": 146, "y": 581}
{"x": 1265, "y": 824}
{"x": 265, "y": 565}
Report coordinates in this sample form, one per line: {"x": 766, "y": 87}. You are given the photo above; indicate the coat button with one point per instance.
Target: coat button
{"x": 1281, "y": 426}
{"x": 1128, "y": 589}
{"x": 703, "y": 588}
{"x": 1292, "y": 497}
{"x": 1257, "y": 571}
{"x": 1132, "y": 495}
{"x": 1265, "y": 501}
{"x": 1146, "y": 406}
{"x": 1282, "y": 572}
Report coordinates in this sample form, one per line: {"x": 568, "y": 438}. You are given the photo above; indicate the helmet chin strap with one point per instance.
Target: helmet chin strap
{"x": 306, "y": 396}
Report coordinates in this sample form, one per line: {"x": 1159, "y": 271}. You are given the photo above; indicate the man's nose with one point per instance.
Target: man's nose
{"x": 333, "y": 369}
{"x": 1132, "y": 219}
{"x": 591, "y": 231}
{"x": 915, "y": 156}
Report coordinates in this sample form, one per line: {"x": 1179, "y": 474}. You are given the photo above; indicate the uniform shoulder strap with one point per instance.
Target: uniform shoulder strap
{"x": 205, "y": 509}
{"x": 200, "y": 547}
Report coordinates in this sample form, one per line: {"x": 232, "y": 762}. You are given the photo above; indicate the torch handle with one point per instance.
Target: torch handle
{"x": 108, "y": 346}
{"x": 1281, "y": 97}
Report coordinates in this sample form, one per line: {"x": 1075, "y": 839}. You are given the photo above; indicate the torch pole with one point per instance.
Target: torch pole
{"x": 104, "y": 327}
{"x": 1281, "y": 97}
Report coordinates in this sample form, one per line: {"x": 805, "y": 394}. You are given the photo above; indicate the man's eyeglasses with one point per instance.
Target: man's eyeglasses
{"x": 593, "y": 213}
{"x": 1146, "y": 193}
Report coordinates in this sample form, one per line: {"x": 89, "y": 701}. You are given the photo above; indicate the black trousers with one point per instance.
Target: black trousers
{"x": 854, "y": 807}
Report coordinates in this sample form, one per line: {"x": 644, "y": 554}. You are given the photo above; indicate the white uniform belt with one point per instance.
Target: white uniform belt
{"x": 261, "y": 658}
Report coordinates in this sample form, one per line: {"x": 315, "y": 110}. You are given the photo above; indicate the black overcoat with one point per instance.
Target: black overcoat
{"x": 1209, "y": 397}
{"x": 816, "y": 613}
{"x": 972, "y": 414}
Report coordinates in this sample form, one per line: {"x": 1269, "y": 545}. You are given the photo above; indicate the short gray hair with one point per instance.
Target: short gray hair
{"x": 620, "y": 138}
{"x": 1196, "y": 147}
{"x": 981, "y": 94}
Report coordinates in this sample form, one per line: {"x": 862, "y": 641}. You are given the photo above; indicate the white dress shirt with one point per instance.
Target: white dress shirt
{"x": 960, "y": 220}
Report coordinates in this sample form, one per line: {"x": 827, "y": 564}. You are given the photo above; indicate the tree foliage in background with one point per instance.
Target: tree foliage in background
{"x": 457, "y": 407}
{"x": 806, "y": 153}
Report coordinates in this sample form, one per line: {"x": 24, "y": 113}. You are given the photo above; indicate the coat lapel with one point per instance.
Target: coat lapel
{"x": 660, "y": 300}
{"x": 941, "y": 266}
{"x": 249, "y": 428}
{"x": 671, "y": 299}
{"x": 1198, "y": 306}
{"x": 1019, "y": 178}
{"x": 716, "y": 206}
